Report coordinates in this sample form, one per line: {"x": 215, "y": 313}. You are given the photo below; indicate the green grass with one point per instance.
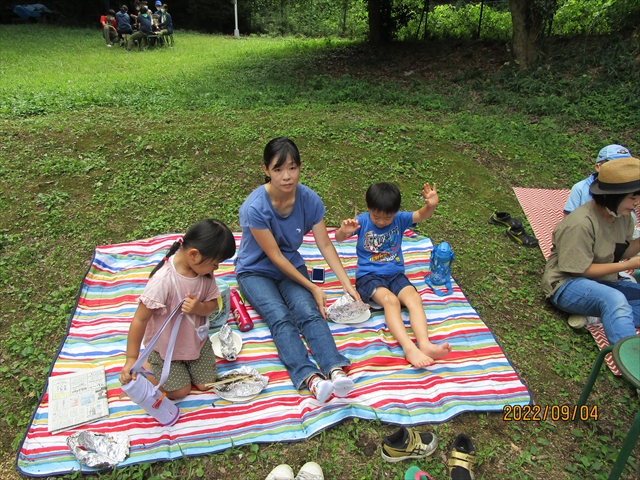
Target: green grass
{"x": 100, "y": 146}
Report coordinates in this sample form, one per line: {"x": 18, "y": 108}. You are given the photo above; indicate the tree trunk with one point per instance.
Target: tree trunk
{"x": 375, "y": 21}
{"x": 527, "y": 27}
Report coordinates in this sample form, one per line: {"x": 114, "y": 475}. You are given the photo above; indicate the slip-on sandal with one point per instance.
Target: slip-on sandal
{"x": 462, "y": 459}
{"x": 503, "y": 218}
{"x": 519, "y": 235}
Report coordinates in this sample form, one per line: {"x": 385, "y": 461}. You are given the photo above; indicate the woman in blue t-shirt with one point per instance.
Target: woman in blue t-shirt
{"x": 273, "y": 276}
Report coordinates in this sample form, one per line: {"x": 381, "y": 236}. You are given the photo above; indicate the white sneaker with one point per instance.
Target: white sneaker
{"x": 310, "y": 471}
{"x": 281, "y": 472}
{"x": 581, "y": 321}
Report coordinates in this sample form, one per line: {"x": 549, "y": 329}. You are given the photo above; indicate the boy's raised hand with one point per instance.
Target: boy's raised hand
{"x": 430, "y": 196}
{"x": 349, "y": 226}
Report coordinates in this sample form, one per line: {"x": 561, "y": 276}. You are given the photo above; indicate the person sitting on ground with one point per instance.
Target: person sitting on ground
{"x": 580, "y": 191}
{"x": 144, "y": 20}
{"x": 123, "y": 22}
{"x": 380, "y": 276}
{"x": 581, "y": 275}
{"x": 273, "y": 276}
{"x": 165, "y": 23}
{"x": 109, "y": 27}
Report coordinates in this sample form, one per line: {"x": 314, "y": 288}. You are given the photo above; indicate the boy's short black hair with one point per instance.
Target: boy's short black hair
{"x": 384, "y": 197}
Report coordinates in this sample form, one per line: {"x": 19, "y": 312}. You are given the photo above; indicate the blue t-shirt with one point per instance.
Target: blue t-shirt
{"x": 257, "y": 212}
{"x": 380, "y": 249}
{"x": 580, "y": 194}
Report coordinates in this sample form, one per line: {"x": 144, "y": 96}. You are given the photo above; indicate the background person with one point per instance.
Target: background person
{"x": 109, "y": 27}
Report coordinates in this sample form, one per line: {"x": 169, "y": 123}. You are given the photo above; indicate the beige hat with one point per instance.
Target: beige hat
{"x": 621, "y": 176}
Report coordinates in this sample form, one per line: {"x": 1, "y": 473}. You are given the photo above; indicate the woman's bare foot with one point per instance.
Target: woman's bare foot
{"x": 435, "y": 351}
{"x": 418, "y": 359}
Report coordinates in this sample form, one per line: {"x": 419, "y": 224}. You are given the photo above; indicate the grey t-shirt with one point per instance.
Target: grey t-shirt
{"x": 580, "y": 239}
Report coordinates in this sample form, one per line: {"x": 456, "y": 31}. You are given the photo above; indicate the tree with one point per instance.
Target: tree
{"x": 530, "y": 19}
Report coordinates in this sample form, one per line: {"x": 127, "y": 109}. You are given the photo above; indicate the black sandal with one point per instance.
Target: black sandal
{"x": 521, "y": 237}
{"x": 503, "y": 218}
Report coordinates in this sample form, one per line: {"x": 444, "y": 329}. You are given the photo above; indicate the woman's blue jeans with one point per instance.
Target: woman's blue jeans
{"x": 616, "y": 303}
{"x": 289, "y": 310}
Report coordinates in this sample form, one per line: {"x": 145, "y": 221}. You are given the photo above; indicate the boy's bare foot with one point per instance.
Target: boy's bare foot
{"x": 435, "y": 351}
{"x": 418, "y": 359}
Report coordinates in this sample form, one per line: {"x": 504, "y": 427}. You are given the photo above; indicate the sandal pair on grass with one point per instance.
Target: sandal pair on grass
{"x": 515, "y": 230}
{"x": 406, "y": 444}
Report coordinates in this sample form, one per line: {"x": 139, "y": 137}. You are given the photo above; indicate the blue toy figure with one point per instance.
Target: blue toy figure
{"x": 441, "y": 259}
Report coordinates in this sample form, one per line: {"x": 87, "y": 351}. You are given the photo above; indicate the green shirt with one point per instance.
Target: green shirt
{"x": 584, "y": 237}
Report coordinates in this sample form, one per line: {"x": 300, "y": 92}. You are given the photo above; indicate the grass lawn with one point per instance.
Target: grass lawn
{"x": 103, "y": 146}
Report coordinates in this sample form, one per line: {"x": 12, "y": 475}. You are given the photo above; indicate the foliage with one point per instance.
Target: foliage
{"x": 94, "y": 155}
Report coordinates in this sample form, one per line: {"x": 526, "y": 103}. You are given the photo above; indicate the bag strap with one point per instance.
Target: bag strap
{"x": 137, "y": 367}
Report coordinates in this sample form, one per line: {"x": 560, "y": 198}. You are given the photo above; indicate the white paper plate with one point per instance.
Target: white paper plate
{"x": 237, "y": 399}
{"x": 363, "y": 317}
{"x": 217, "y": 347}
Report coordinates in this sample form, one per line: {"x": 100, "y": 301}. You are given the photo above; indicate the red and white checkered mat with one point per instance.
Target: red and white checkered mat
{"x": 544, "y": 210}
{"x": 597, "y": 332}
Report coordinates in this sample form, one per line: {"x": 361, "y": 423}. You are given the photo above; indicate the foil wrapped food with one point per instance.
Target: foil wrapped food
{"x": 227, "y": 347}
{"x": 249, "y": 383}
{"x": 99, "y": 449}
{"x": 348, "y": 310}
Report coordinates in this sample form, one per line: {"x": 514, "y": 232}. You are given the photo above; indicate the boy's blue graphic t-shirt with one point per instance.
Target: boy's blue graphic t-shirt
{"x": 257, "y": 212}
{"x": 380, "y": 249}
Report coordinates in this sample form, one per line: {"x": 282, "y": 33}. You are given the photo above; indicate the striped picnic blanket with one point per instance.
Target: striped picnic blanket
{"x": 476, "y": 376}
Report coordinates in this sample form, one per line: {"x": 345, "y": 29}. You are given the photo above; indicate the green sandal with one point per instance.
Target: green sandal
{"x": 463, "y": 458}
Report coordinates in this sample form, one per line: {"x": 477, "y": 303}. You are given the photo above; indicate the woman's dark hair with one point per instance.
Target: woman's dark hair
{"x": 383, "y": 197}
{"x": 210, "y": 237}
{"x": 612, "y": 200}
{"x": 124, "y": 9}
{"x": 111, "y": 12}
{"x": 280, "y": 148}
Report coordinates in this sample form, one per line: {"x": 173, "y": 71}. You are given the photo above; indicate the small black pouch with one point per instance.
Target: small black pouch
{"x": 619, "y": 251}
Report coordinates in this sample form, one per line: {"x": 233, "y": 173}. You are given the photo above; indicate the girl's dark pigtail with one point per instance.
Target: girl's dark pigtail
{"x": 174, "y": 248}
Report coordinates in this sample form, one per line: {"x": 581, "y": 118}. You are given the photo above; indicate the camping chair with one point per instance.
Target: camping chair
{"x": 625, "y": 355}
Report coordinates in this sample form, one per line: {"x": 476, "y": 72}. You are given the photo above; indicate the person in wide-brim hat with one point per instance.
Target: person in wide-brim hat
{"x": 591, "y": 246}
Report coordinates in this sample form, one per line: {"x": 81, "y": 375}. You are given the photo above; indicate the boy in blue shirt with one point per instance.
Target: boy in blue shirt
{"x": 380, "y": 276}
{"x": 580, "y": 191}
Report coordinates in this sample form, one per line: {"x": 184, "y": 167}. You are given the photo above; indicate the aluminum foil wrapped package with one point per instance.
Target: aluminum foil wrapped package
{"x": 99, "y": 449}
{"x": 240, "y": 384}
{"x": 227, "y": 347}
{"x": 348, "y": 310}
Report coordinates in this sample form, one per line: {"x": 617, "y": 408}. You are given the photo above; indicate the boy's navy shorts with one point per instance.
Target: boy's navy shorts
{"x": 366, "y": 286}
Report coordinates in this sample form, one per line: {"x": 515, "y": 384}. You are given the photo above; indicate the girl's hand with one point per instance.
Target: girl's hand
{"x": 321, "y": 300}
{"x": 125, "y": 374}
{"x": 190, "y": 304}
{"x": 430, "y": 196}
{"x": 349, "y": 226}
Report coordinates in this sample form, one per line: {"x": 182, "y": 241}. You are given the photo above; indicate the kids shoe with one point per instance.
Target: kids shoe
{"x": 462, "y": 459}
{"x": 503, "y": 218}
{"x": 310, "y": 471}
{"x": 581, "y": 321}
{"x": 406, "y": 443}
{"x": 281, "y": 472}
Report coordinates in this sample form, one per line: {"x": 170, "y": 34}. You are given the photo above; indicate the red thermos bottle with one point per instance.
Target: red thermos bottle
{"x": 240, "y": 312}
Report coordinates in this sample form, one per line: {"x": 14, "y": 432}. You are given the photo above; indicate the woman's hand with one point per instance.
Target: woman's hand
{"x": 321, "y": 300}
{"x": 350, "y": 289}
